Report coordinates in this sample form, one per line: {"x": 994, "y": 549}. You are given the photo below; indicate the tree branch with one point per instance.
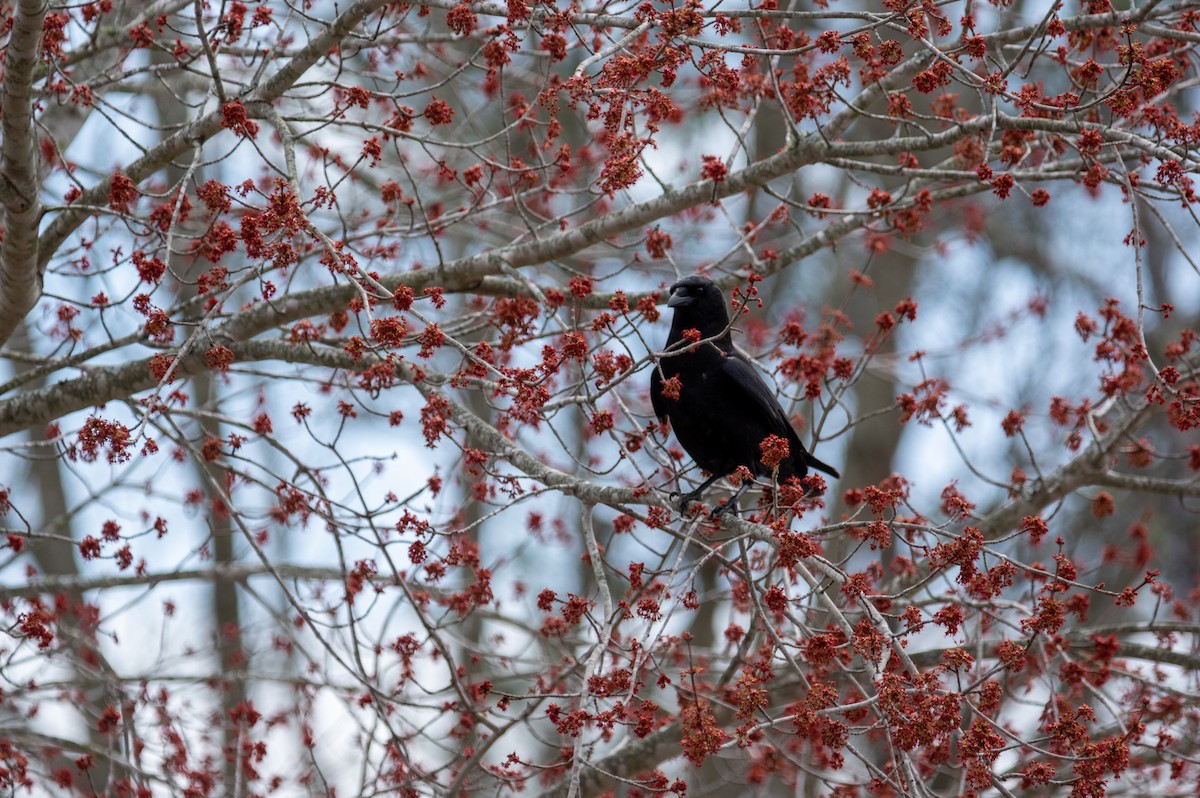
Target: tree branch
{"x": 203, "y": 128}
{"x": 1086, "y": 468}
{"x": 1145, "y": 484}
{"x": 20, "y": 276}
{"x": 479, "y": 273}
{"x": 218, "y": 574}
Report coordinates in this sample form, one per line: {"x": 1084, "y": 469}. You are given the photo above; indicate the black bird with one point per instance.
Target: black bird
{"x": 724, "y": 409}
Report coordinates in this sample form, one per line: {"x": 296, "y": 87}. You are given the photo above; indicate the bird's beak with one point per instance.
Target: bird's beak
{"x": 679, "y": 299}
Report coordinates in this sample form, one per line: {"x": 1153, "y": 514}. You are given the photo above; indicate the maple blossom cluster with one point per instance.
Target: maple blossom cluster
{"x": 329, "y": 331}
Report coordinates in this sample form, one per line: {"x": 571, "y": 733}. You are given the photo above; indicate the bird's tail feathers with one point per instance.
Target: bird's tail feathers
{"x": 813, "y": 462}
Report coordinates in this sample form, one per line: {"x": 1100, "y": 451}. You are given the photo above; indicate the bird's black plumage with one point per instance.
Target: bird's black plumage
{"x": 724, "y": 409}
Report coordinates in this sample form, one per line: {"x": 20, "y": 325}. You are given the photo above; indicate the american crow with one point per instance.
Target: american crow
{"x": 723, "y": 410}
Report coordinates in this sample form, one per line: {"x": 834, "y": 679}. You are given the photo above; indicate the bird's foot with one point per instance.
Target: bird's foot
{"x": 687, "y": 499}
{"x": 684, "y": 499}
{"x": 730, "y": 506}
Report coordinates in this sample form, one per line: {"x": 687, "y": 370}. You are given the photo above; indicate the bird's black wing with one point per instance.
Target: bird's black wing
{"x": 762, "y": 402}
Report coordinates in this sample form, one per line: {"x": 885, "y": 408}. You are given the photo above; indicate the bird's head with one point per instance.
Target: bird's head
{"x": 699, "y": 304}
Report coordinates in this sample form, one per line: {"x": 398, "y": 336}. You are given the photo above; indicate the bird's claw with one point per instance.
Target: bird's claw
{"x": 684, "y": 499}
{"x": 717, "y": 512}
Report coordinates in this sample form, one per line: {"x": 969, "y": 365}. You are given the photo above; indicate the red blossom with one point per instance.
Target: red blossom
{"x": 658, "y": 243}
{"x": 219, "y": 358}
{"x": 54, "y": 35}
{"x": 109, "y": 720}
{"x": 581, "y": 287}
{"x": 235, "y": 117}
{"x": 389, "y": 330}
{"x": 574, "y": 346}
{"x": 121, "y": 193}
{"x": 175, "y": 211}
{"x": 435, "y": 419}
{"x": 430, "y": 339}
{"x": 438, "y": 112}
{"x": 774, "y": 451}
{"x": 556, "y": 45}
{"x": 648, "y": 307}
{"x": 1103, "y": 505}
{"x": 436, "y": 296}
{"x": 372, "y": 150}
{"x": 402, "y": 298}
{"x": 89, "y": 548}
{"x": 1090, "y": 141}
{"x": 1013, "y": 423}
{"x": 714, "y": 169}
{"x": 906, "y": 309}
{"x": 702, "y": 735}
{"x": 601, "y": 421}
{"x": 100, "y": 435}
{"x": 142, "y": 35}
{"x": 461, "y": 19}
{"x": 949, "y": 618}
